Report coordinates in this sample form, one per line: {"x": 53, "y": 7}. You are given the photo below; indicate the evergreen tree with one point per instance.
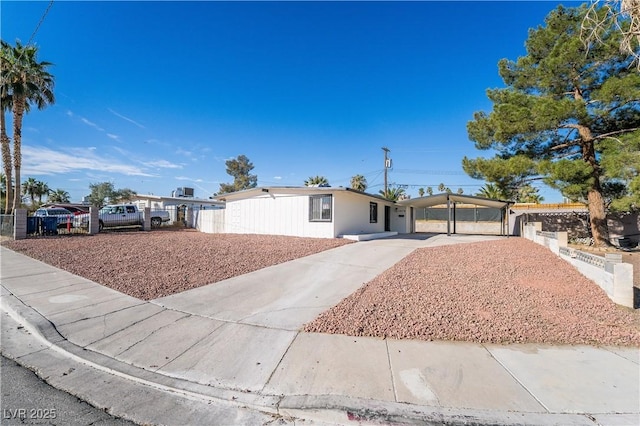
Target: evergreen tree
{"x": 240, "y": 169}
{"x": 563, "y": 105}
{"x": 104, "y": 192}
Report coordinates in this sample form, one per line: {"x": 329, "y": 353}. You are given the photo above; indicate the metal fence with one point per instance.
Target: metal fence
{"x": 53, "y": 225}
{"x": 463, "y": 214}
{"x": 81, "y": 224}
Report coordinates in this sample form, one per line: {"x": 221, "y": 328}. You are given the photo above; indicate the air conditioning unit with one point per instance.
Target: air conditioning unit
{"x": 183, "y": 192}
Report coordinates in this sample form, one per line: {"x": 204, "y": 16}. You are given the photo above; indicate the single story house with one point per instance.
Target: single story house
{"x": 328, "y": 212}
{"x": 321, "y": 212}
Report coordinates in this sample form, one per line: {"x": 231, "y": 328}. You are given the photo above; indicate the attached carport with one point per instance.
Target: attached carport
{"x": 451, "y": 200}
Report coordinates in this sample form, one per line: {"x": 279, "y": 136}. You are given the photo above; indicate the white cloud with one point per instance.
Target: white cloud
{"x": 277, "y": 177}
{"x": 114, "y": 137}
{"x": 164, "y": 164}
{"x": 44, "y": 161}
{"x": 184, "y": 152}
{"x": 92, "y": 124}
{"x": 125, "y": 118}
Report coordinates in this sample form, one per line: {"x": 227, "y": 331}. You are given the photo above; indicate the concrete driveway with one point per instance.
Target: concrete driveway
{"x": 288, "y": 295}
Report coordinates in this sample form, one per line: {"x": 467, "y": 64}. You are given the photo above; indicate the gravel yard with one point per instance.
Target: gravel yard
{"x": 148, "y": 265}
{"x": 505, "y": 291}
{"x": 502, "y": 291}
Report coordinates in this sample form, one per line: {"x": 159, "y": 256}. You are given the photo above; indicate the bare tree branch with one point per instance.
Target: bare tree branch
{"x": 617, "y": 132}
{"x": 617, "y": 11}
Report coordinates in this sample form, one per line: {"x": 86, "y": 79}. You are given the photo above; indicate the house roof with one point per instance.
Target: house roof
{"x": 178, "y": 200}
{"x": 296, "y": 190}
{"x": 439, "y": 199}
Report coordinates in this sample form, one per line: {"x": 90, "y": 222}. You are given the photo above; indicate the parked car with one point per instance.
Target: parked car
{"x": 114, "y": 215}
{"x": 77, "y": 210}
{"x": 63, "y": 216}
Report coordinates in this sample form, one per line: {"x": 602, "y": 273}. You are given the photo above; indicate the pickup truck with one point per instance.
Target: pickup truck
{"x": 113, "y": 215}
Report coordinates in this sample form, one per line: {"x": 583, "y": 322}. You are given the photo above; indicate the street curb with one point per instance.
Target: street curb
{"x": 322, "y": 409}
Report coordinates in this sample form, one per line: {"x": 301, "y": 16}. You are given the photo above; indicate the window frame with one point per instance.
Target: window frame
{"x": 318, "y": 217}
{"x": 373, "y": 212}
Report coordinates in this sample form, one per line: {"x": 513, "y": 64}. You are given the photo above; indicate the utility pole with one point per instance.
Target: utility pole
{"x": 387, "y": 165}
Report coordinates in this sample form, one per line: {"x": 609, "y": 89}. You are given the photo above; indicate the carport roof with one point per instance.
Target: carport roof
{"x": 439, "y": 199}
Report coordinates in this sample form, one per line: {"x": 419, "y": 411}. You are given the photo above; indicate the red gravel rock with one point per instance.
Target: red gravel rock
{"x": 148, "y": 265}
{"x": 504, "y": 291}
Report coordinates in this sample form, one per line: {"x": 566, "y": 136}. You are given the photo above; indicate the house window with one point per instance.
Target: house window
{"x": 373, "y": 212}
{"x": 320, "y": 208}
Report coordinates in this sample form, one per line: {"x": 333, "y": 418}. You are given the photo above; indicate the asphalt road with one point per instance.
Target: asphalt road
{"x": 28, "y": 400}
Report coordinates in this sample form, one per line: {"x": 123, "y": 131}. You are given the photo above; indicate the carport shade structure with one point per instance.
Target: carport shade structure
{"x": 452, "y": 199}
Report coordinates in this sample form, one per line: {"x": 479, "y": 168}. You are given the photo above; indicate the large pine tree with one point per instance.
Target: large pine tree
{"x": 565, "y": 103}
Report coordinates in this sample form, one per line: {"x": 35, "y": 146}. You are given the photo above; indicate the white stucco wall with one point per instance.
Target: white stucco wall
{"x": 351, "y": 214}
{"x": 401, "y": 219}
{"x": 209, "y": 221}
{"x": 288, "y": 214}
{"x": 276, "y": 214}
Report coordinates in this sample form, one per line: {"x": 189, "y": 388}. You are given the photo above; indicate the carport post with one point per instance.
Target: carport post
{"x": 454, "y": 217}
{"x": 448, "y": 217}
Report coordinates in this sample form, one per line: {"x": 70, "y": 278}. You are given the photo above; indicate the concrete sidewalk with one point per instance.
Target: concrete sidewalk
{"x": 232, "y": 353}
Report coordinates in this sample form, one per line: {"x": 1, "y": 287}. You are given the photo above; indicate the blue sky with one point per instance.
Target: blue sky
{"x": 158, "y": 95}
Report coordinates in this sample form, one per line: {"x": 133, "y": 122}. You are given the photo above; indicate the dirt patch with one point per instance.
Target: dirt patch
{"x": 148, "y": 265}
{"x": 505, "y": 291}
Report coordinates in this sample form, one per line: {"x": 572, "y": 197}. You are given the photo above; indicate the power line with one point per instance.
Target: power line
{"x": 429, "y": 172}
{"x": 44, "y": 15}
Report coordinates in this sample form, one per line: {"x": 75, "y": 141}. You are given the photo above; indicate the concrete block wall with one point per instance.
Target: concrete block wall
{"x": 613, "y": 276}
{"x": 94, "y": 220}
{"x": 146, "y": 225}
{"x": 20, "y": 224}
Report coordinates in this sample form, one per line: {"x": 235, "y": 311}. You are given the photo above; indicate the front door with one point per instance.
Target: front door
{"x": 387, "y": 218}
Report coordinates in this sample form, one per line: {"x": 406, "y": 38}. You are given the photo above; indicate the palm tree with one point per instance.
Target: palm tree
{"x": 30, "y": 188}
{"x": 41, "y": 189}
{"x": 529, "y": 194}
{"x": 420, "y": 192}
{"x": 7, "y": 163}
{"x": 429, "y": 190}
{"x": 27, "y": 82}
{"x": 491, "y": 191}
{"x": 59, "y": 196}
{"x": 359, "y": 183}
{"x": 393, "y": 194}
{"x": 316, "y": 181}
{"x": 3, "y": 185}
